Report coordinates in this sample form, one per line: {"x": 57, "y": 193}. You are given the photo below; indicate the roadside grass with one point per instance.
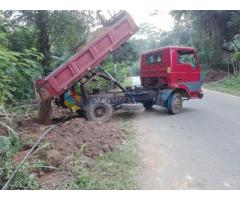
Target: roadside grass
{"x": 9, "y": 146}
{"x": 117, "y": 169}
{"x": 230, "y": 85}
{"x": 114, "y": 170}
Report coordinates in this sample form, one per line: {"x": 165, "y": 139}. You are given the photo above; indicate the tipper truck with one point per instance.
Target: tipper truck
{"x": 168, "y": 75}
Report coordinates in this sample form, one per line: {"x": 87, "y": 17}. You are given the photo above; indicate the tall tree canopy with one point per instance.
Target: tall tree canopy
{"x": 214, "y": 33}
{"x": 33, "y": 43}
{"x": 52, "y": 32}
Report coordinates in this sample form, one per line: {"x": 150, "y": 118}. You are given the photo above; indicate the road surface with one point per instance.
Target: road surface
{"x": 196, "y": 149}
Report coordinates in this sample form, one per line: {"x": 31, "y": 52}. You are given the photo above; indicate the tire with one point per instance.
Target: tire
{"x": 174, "y": 104}
{"x": 100, "y": 112}
{"x": 148, "y": 105}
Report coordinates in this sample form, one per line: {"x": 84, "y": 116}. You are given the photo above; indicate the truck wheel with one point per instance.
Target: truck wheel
{"x": 148, "y": 105}
{"x": 100, "y": 112}
{"x": 174, "y": 105}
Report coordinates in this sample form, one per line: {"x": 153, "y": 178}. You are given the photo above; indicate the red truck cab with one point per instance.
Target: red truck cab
{"x": 172, "y": 69}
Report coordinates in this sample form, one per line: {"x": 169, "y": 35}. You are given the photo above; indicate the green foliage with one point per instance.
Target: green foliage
{"x": 213, "y": 33}
{"x": 230, "y": 85}
{"x": 41, "y": 165}
{"x": 123, "y": 57}
{"x": 23, "y": 180}
{"x": 8, "y": 147}
{"x": 237, "y": 56}
{"x": 126, "y": 54}
{"x": 148, "y": 37}
{"x": 52, "y": 32}
{"x": 134, "y": 69}
{"x": 21, "y": 39}
{"x": 17, "y": 72}
{"x": 114, "y": 170}
{"x": 120, "y": 73}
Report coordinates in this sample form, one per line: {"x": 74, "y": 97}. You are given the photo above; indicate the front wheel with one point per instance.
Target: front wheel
{"x": 174, "y": 104}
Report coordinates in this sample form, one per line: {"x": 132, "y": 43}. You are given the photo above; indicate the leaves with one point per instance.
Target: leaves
{"x": 17, "y": 72}
{"x": 214, "y": 33}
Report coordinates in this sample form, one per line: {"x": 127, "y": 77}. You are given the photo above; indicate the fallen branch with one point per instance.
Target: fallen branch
{"x": 8, "y": 127}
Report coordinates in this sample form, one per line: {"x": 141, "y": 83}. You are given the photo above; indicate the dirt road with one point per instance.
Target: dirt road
{"x": 197, "y": 149}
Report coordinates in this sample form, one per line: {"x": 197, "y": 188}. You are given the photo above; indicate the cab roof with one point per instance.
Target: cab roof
{"x": 170, "y": 47}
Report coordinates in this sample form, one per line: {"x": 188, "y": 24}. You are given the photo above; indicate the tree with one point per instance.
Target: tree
{"x": 213, "y": 33}
{"x": 56, "y": 31}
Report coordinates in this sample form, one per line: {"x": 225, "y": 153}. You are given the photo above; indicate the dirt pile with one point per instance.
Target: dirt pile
{"x": 76, "y": 134}
{"x": 92, "y": 138}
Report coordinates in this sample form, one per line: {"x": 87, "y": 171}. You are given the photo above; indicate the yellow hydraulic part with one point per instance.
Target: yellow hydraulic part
{"x": 72, "y": 100}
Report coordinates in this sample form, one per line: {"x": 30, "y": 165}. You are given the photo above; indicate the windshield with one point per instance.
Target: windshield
{"x": 187, "y": 57}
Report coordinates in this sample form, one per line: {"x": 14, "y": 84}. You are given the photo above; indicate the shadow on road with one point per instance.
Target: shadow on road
{"x": 156, "y": 110}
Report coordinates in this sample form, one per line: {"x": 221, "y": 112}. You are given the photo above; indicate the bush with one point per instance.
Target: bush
{"x": 18, "y": 72}
{"x": 121, "y": 75}
{"x": 237, "y": 55}
{"x": 23, "y": 180}
{"x": 9, "y": 146}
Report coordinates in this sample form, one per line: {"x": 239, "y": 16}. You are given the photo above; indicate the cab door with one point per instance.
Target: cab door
{"x": 187, "y": 69}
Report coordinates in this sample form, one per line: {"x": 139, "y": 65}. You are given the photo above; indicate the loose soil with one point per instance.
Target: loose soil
{"x": 75, "y": 135}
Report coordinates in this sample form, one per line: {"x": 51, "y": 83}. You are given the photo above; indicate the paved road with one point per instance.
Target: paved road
{"x": 196, "y": 149}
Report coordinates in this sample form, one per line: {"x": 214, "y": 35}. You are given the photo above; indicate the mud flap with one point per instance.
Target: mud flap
{"x": 163, "y": 97}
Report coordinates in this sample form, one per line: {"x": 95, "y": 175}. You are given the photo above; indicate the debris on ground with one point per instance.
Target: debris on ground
{"x": 61, "y": 145}
{"x": 93, "y": 137}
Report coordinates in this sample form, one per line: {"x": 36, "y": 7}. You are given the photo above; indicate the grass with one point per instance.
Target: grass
{"x": 9, "y": 146}
{"x": 114, "y": 170}
{"x": 230, "y": 85}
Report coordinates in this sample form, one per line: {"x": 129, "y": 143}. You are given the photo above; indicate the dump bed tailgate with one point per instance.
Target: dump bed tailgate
{"x": 111, "y": 37}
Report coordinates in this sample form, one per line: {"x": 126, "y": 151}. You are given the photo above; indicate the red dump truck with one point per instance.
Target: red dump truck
{"x": 115, "y": 32}
{"x": 165, "y": 81}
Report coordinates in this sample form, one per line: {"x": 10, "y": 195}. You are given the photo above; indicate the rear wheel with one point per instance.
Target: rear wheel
{"x": 101, "y": 112}
{"x": 174, "y": 105}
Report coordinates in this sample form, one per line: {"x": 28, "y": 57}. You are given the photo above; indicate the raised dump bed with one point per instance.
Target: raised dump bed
{"x": 114, "y": 34}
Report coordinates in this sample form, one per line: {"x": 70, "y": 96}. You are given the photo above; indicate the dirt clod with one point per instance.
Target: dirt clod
{"x": 27, "y": 140}
{"x": 55, "y": 158}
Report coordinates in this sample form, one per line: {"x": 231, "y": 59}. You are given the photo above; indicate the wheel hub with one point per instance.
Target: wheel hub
{"x": 177, "y": 104}
{"x": 100, "y": 111}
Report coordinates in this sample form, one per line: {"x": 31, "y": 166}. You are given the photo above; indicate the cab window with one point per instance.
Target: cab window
{"x": 153, "y": 58}
{"x": 187, "y": 57}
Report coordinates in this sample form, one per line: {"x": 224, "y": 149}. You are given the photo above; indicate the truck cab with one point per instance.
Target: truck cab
{"x": 172, "y": 70}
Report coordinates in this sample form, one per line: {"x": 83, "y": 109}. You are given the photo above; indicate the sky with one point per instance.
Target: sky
{"x": 162, "y": 20}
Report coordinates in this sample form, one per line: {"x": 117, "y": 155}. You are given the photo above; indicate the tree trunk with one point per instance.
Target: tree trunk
{"x": 228, "y": 69}
{"x": 42, "y": 18}
{"x": 234, "y": 69}
{"x": 45, "y": 112}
